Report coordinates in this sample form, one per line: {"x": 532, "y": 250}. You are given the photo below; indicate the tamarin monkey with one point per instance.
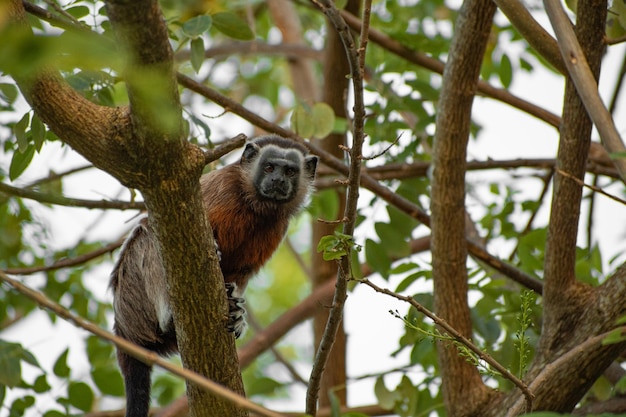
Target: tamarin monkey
{"x": 249, "y": 205}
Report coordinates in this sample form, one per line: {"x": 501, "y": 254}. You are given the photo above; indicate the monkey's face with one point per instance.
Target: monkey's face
{"x": 277, "y": 176}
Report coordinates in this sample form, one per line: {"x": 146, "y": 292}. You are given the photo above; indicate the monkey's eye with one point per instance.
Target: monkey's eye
{"x": 269, "y": 168}
{"x": 290, "y": 172}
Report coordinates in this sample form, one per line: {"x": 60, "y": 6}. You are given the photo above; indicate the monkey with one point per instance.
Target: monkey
{"x": 249, "y": 205}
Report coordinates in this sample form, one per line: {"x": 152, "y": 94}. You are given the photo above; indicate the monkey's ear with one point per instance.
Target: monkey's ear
{"x": 250, "y": 152}
{"x": 310, "y": 164}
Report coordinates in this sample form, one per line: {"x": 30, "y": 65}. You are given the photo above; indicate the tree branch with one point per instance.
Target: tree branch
{"x": 463, "y": 388}
{"x": 585, "y": 81}
{"x": 350, "y": 212}
{"x": 533, "y": 32}
{"x": 561, "y": 293}
{"x": 58, "y": 200}
{"x": 138, "y": 352}
{"x": 436, "y": 66}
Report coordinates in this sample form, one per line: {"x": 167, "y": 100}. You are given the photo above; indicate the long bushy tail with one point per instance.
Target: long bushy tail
{"x": 137, "y": 382}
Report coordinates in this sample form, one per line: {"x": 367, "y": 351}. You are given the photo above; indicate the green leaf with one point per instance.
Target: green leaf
{"x": 80, "y": 395}
{"x": 38, "y": 130}
{"x": 377, "y": 258}
{"x": 615, "y": 336}
{"x": 109, "y": 381}
{"x": 506, "y": 71}
{"x": 54, "y": 413}
{"x": 196, "y": 26}
{"x": 323, "y": 119}
{"x": 386, "y": 398}
{"x": 21, "y": 161}
{"x": 197, "y": 53}
{"x": 19, "y": 130}
{"x": 301, "y": 122}
{"x": 262, "y": 385}
{"x": 8, "y": 92}
{"x": 41, "y": 384}
{"x": 60, "y": 367}
{"x": 78, "y": 11}
{"x": 232, "y": 25}
{"x": 10, "y": 363}
{"x": 325, "y": 205}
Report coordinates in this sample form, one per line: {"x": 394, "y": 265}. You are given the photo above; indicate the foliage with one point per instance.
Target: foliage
{"x": 240, "y": 50}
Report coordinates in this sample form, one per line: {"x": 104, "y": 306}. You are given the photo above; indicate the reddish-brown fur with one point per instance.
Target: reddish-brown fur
{"x": 249, "y": 205}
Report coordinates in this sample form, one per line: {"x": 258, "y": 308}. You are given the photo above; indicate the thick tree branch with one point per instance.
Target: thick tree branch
{"x": 585, "y": 82}
{"x": 463, "y": 389}
{"x": 575, "y": 139}
{"x": 533, "y": 32}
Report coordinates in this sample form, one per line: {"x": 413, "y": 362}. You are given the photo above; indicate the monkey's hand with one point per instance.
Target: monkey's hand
{"x": 236, "y": 312}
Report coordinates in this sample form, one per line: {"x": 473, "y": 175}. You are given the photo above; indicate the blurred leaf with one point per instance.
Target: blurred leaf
{"x": 109, "y": 381}
{"x": 19, "y": 130}
{"x": 10, "y": 363}
{"x": 197, "y": 53}
{"x": 21, "y": 161}
{"x": 38, "y": 130}
{"x": 301, "y": 122}
{"x": 78, "y": 11}
{"x": 506, "y": 71}
{"x": 197, "y": 25}
{"x": 231, "y": 25}
{"x": 60, "y": 368}
{"x": 80, "y": 395}
{"x": 8, "y": 92}
{"x": 323, "y": 119}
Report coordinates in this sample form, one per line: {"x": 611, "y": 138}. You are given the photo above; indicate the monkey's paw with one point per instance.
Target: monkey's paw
{"x": 236, "y": 312}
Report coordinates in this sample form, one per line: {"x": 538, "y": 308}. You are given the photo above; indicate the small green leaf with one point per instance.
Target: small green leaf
{"x": 196, "y": 26}
{"x": 197, "y": 53}
{"x": 19, "y": 130}
{"x": 10, "y": 363}
{"x": 323, "y": 118}
{"x": 60, "y": 368}
{"x": 78, "y": 11}
{"x": 109, "y": 381}
{"x": 301, "y": 122}
{"x": 80, "y": 395}
{"x": 21, "y": 161}
{"x": 506, "y": 71}
{"x": 8, "y": 92}
{"x": 615, "y": 336}
{"x": 386, "y": 398}
{"x": 38, "y": 130}
{"x": 233, "y": 26}
{"x": 41, "y": 384}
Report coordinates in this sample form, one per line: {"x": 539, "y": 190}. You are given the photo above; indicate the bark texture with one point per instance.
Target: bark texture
{"x": 463, "y": 389}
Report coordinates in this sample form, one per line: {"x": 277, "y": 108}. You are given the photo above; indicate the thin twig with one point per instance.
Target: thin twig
{"x": 354, "y": 179}
{"x": 145, "y": 355}
{"x": 224, "y": 148}
{"x": 591, "y": 187}
{"x": 458, "y": 337}
{"x": 67, "y": 262}
{"x": 69, "y": 202}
